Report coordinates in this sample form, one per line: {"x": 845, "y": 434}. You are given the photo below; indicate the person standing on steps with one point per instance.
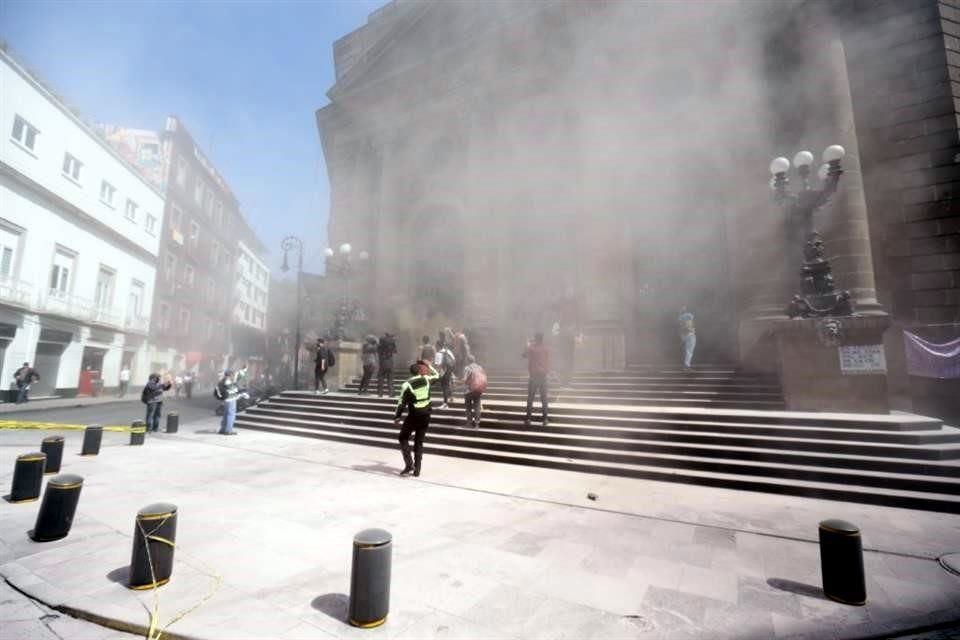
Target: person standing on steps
{"x": 446, "y": 362}
{"x": 427, "y": 352}
{"x": 415, "y": 397}
{"x": 368, "y": 355}
{"x": 538, "y": 365}
{"x": 387, "y": 349}
{"x": 124, "y": 380}
{"x": 152, "y": 396}
{"x": 688, "y": 337}
{"x": 322, "y": 361}
{"x": 474, "y": 383}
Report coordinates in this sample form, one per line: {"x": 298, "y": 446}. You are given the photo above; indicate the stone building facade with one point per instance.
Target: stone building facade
{"x": 601, "y": 164}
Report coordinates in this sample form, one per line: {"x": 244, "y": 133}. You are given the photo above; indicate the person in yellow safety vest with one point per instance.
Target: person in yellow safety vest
{"x": 415, "y": 396}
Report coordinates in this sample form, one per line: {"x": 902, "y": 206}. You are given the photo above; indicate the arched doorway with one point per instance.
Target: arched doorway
{"x": 437, "y": 261}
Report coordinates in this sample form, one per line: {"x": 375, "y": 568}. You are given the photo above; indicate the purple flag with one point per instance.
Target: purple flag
{"x": 931, "y": 360}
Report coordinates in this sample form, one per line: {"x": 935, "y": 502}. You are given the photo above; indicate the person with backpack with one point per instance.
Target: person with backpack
{"x": 445, "y": 361}
{"x": 227, "y": 392}
{"x": 387, "y": 349}
{"x": 369, "y": 359}
{"x": 475, "y": 383}
{"x": 322, "y": 361}
{"x": 415, "y": 397}
{"x": 152, "y": 396}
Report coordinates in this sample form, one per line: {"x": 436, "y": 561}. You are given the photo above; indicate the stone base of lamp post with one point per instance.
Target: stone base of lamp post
{"x": 348, "y": 364}
{"x": 603, "y": 348}
{"x": 832, "y": 364}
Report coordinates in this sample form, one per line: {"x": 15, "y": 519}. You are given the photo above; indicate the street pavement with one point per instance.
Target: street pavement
{"x": 481, "y": 550}
{"x": 106, "y": 411}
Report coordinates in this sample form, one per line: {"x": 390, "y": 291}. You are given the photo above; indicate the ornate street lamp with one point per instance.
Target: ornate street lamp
{"x": 342, "y": 264}
{"x": 289, "y": 244}
{"x": 819, "y": 297}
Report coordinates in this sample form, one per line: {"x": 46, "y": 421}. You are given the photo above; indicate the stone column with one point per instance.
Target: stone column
{"x": 844, "y": 224}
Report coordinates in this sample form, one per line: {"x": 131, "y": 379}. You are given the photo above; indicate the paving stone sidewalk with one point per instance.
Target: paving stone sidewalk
{"x": 481, "y": 550}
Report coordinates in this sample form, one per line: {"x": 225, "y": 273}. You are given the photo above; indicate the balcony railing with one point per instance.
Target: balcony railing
{"x": 15, "y": 292}
{"x": 71, "y": 306}
{"x": 137, "y": 324}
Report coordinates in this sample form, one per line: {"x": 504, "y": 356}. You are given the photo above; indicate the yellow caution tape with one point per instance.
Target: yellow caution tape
{"x": 58, "y": 426}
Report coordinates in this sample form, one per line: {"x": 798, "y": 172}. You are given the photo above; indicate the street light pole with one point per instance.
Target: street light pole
{"x": 819, "y": 297}
{"x": 289, "y": 243}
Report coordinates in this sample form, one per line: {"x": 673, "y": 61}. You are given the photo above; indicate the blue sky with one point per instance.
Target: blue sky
{"x": 245, "y": 77}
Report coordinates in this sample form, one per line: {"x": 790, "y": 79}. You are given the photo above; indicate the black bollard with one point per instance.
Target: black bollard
{"x": 58, "y": 508}
{"x": 173, "y": 422}
{"x": 370, "y": 578}
{"x": 27, "y": 477}
{"x": 841, "y": 562}
{"x": 92, "y": 436}
{"x": 154, "y": 539}
{"x": 53, "y": 447}
{"x": 138, "y": 431}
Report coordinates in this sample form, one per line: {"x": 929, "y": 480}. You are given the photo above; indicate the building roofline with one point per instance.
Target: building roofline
{"x": 58, "y": 102}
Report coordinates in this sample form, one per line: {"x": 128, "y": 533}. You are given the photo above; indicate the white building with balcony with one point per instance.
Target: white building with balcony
{"x": 79, "y": 237}
{"x": 253, "y": 289}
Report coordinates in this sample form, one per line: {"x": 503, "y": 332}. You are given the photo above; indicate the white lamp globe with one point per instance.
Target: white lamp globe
{"x": 364, "y": 255}
{"x": 779, "y": 165}
{"x": 328, "y": 252}
{"x": 345, "y": 249}
{"x": 803, "y": 159}
{"x": 834, "y": 152}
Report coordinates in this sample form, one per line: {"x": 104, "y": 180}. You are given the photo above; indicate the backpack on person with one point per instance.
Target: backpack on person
{"x": 143, "y": 395}
{"x": 447, "y": 359}
{"x": 331, "y": 359}
{"x": 218, "y": 392}
{"x": 478, "y": 381}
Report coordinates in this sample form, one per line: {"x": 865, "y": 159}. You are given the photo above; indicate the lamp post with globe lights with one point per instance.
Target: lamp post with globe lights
{"x": 341, "y": 262}
{"x": 289, "y": 244}
{"x": 818, "y": 296}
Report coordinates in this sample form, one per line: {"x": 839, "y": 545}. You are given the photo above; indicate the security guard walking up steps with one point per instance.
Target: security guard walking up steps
{"x": 415, "y": 395}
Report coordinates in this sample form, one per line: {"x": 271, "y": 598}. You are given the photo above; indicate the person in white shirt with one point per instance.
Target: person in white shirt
{"x": 124, "y": 380}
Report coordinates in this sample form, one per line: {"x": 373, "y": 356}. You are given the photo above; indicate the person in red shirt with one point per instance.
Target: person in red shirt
{"x": 538, "y": 364}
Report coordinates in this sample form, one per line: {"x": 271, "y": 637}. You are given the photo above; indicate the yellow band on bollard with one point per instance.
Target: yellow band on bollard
{"x": 144, "y": 587}
{"x": 156, "y": 516}
{"x": 23, "y": 500}
{"x": 169, "y": 543}
{"x": 75, "y": 485}
{"x": 368, "y": 625}
{"x": 32, "y": 459}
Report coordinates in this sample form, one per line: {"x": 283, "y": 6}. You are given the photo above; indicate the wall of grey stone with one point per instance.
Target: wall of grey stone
{"x": 903, "y": 60}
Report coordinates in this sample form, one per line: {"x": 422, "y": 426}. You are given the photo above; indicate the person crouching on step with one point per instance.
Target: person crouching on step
{"x": 415, "y": 397}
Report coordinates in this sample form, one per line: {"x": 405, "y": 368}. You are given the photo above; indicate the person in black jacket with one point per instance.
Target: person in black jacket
{"x": 152, "y": 396}
{"x": 321, "y": 365}
{"x": 386, "y": 351}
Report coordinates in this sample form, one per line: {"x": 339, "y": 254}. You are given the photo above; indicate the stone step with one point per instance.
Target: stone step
{"x": 615, "y": 414}
{"x": 936, "y": 444}
{"x": 919, "y": 459}
{"x": 899, "y": 490}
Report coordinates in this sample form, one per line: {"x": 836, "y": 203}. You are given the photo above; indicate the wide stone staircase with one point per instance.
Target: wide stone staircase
{"x": 712, "y": 427}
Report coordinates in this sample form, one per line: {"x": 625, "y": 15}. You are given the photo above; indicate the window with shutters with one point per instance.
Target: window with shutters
{"x": 64, "y": 263}
{"x": 9, "y": 249}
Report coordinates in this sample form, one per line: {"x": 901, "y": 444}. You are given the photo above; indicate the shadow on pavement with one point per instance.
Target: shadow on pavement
{"x": 335, "y": 605}
{"x": 798, "y": 588}
{"x": 120, "y": 575}
{"x": 378, "y": 467}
